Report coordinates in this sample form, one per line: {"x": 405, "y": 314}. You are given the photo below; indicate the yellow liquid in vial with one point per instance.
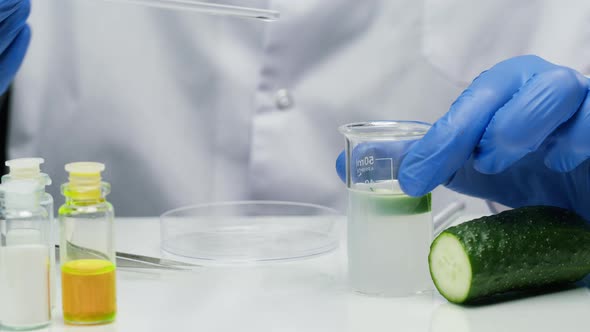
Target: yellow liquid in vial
{"x": 88, "y": 291}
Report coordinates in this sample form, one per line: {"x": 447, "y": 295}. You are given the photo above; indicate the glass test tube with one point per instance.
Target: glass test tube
{"x": 389, "y": 233}
{"x": 87, "y": 249}
{"x": 25, "y": 263}
{"x": 208, "y": 8}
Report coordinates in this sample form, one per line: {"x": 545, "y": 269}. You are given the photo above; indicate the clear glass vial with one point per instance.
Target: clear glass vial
{"x": 30, "y": 169}
{"x": 25, "y": 263}
{"x": 87, "y": 247}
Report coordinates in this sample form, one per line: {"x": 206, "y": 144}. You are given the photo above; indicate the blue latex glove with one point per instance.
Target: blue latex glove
{"x": 519, "y": 135}
{"x": 15, "y": 36}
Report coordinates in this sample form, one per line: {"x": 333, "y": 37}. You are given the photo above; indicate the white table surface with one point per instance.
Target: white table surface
{"x": 305, "y": 295}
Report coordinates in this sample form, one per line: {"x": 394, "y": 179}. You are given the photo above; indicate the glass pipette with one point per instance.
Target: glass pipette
{"x": 208, "y": 8}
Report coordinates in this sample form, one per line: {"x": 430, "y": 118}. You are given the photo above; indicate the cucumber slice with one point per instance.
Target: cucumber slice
{"x": 525, "y": 248}
{"x": 450, "y": 267}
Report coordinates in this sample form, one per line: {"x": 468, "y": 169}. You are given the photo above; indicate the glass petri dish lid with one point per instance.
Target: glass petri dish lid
{"x": 248, "y": 231}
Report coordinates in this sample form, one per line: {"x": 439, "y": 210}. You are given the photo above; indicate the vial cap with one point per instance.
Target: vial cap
{"x": 25, "y": 168}
{"x": 85, "y": 168}
{"x": 84, "y": 180}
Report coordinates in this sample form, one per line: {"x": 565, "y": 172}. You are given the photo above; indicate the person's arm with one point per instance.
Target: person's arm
{"x": 15, "y": 36}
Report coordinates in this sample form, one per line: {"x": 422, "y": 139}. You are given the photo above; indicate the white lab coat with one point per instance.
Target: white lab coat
{"x": 187, "y": 108}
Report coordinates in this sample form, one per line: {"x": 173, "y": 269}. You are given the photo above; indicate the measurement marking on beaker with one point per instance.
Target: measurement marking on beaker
{"x": 367, "y": 161}
{"x": 364, "y": 165}
{"x": 367, "y": 165}
{"x": 390, "y": 168}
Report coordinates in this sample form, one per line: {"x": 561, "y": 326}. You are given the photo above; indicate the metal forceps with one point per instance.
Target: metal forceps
{"x": 127, "y": 260}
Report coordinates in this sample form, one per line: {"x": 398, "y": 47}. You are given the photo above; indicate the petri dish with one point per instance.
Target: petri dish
{"x": 248, "y": 231}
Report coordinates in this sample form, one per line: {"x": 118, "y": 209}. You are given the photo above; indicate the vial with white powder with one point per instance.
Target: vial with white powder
{"x": 30, "y": 169}
{"x": 24, "y": 256}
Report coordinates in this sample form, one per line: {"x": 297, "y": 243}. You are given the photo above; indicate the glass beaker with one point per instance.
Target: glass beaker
{"x": 389, "y": 232}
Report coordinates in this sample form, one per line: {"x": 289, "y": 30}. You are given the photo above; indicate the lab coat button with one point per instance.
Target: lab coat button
{"x": 283, "y": 99}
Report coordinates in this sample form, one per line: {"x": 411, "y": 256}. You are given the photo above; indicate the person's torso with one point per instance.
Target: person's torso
{"x": 186, "y": 108}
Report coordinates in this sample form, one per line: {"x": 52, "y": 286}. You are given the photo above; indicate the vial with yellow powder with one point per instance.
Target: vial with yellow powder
{"x": 87, "y": 251}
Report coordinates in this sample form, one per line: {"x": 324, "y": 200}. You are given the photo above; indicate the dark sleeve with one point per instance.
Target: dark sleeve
{"x": 4, "y": 120}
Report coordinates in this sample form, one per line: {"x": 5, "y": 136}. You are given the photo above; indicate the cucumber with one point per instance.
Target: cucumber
{"x": 525, "y": 248}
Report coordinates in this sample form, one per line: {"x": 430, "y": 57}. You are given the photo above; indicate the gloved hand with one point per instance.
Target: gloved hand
{"x": 14, "y": 38}
{"x": 519, "y": 135}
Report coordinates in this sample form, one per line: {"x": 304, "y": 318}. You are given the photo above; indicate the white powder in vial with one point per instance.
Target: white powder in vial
{"x": 24, "y": 285}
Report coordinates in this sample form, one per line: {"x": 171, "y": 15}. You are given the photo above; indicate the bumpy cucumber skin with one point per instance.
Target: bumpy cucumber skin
{"x": 524, "y": 248}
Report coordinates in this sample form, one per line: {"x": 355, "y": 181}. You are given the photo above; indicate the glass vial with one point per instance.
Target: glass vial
{"x": 87, "y": 248}
{"x": 25, "y": 263}
{"x": 30, "y": 169}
